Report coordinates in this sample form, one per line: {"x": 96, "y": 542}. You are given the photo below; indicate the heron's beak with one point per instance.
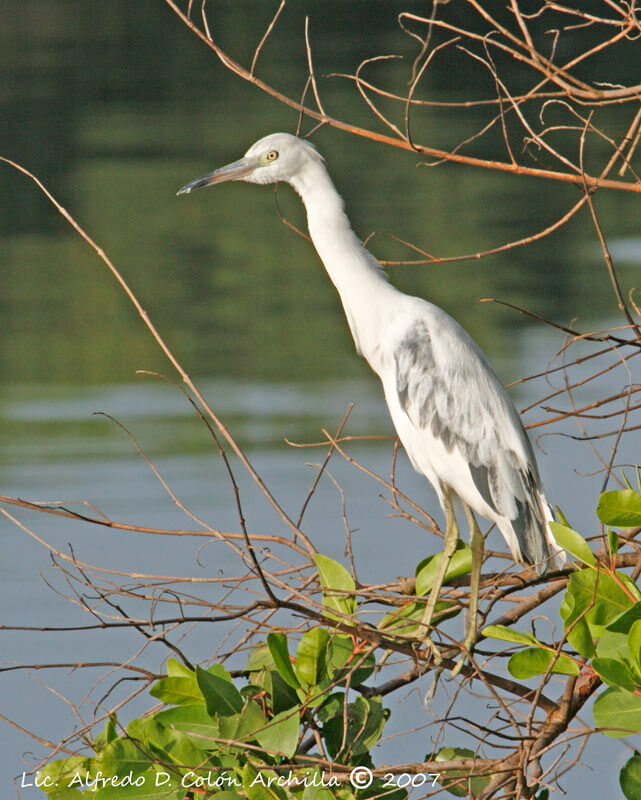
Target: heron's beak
{"x": 232, "y": 172}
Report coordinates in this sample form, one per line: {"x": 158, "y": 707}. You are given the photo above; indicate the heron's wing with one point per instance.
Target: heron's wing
{"x": 447, "y": 388}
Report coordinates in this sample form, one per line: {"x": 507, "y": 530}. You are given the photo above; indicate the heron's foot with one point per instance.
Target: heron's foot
{"x": 432, "y": 690}
{"x": 468, "y": 649}
{"x": 459, "y": 665}
{"x": 437, "y": 658}
{"x": 383, "y": 659}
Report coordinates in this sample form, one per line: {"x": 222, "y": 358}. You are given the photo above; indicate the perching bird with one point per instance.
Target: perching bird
{"x": 451, "y": 412}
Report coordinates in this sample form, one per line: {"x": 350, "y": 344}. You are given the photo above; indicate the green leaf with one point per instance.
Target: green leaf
{"x": 334, "y": 577}
{"x": 352, "y": 731}
{"x": 581, "y": 639}
{"x": 614, "y": 673}
{"x": 281, "y": 694}
{"x": 573, "y": 542}
{"x": 376, "y": 718}
{"x": 630, "y": 778}
{"x": 613, "y": 645}
{"x": 567, "y": 608}
{"x": 220, "y": 672}
{"x": 506, "y": 634}
{"x": 312, "y": 655}
{"x": 260, "y": 658}
{"x": 221, "y": 696}
{"x": 623, "y": 622}
{"x": 123, "y": 756}
{"x": 227, "y": 795}
{"x": 64, "y": 794}
{"x": 242, "y": 727}
{"x": 108, "y": 735}
{"x": 360, "y": 673}
{"x": 145, "y": 790}
{"x": 332, "y": 707}
{"x": 342, "y": 733}
{"x": 249, "y": 691}
{"x": 281, "y": 733}
{"x": 341, "y": 650}
{"x": 60, "y": 773}
{"x": 365, "y": 722}
{"x": 194, "y": 722}
{"x": 427, "y": 570}
{"x": 177, "y": 670}
{"x": 457, "y": 782}
{"x": 257, "y": 785}
{"x": 277, "y": 643}
{"x": 170, "y": 745}
{"x": 618, "y": 712}
{"x": 599, "y": 595}
{"x": 613, "y": 542}
{"x": 621, "y": 508}
{"x": 314, "y": 790}
{"x": 177, "y": 691}
{"x": 634, "y": 644}
{"x": 534, "y": 661}
{"x": 380, "y": 788}
{"x": 630, "y": 585}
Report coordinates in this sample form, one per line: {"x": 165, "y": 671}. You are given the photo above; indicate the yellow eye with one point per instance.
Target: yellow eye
{"x": 272, "y": 155}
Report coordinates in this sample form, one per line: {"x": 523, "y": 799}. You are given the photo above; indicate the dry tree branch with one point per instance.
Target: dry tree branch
{"x": 323, "y": 466}
{"x": 400, "y": 141}
{"x": 266, "y": 35}
{"x": 48, "y": 507}
{"x": 310, "y": 67}
{"x": 179, "y": 369}
{"x": 525, "y": 724}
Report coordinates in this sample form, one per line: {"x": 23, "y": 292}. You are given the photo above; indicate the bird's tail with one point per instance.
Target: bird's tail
{"x": 556, "y": 555}
{"x": 529, "y": 535}
{"x": 538, "y": 546}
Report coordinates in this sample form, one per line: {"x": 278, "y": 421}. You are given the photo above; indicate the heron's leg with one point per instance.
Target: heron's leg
{"x": 476, "y": 546}
{"x": 451, "y": 538}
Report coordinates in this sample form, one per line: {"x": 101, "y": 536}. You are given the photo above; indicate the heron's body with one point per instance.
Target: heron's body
{"x": 451, "y": 412}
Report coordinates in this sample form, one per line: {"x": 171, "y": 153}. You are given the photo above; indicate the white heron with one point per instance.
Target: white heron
{"x": 451, "y": 411}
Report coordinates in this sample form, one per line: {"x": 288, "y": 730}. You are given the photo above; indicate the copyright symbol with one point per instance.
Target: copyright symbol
{"x": 361, "y": 777}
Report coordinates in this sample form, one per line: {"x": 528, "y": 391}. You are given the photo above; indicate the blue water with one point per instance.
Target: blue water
{"x": 81, "y": 461}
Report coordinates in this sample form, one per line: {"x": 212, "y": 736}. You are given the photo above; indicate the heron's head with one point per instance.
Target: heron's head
{"x": 277, "y": 157}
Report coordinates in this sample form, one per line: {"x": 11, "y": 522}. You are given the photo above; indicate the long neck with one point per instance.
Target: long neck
{"x": 366, "y": 295}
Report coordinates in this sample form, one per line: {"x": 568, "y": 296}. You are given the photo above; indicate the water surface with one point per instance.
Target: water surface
{"x": 114, "y": 110}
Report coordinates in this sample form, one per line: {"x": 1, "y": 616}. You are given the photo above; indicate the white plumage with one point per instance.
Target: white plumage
{"x": 451, "y": 412}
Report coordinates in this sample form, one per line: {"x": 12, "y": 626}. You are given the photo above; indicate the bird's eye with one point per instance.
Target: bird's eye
{"x": 272, "y": 155}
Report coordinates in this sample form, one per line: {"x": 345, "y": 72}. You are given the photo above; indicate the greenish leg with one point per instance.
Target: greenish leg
{"x": 451, "y": 538}
{"x": 476, "y": 546}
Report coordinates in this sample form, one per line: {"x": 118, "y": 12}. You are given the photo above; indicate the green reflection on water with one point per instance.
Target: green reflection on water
{"x": 115, "y": 110}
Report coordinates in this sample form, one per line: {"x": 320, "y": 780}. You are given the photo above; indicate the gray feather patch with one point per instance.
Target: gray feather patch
{"x": 481, "y": 477}
{"x": 463, "y": 405}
